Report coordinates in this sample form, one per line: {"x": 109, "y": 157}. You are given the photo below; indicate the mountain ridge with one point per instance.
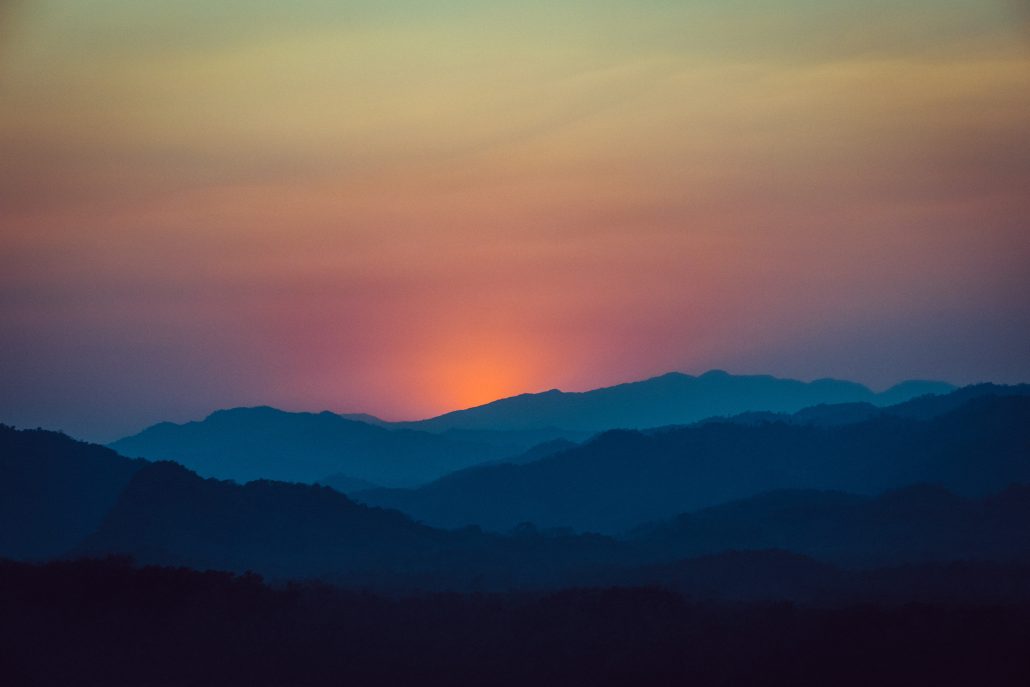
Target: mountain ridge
{"x": 623, "y": 477}
{"x": 253, "y": 442}
{"x": 264, "y": 442}
{"x": 673, "y": 397}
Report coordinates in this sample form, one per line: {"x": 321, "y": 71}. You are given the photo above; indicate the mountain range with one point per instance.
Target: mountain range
{"x": 621, "y": 478}
{"x": 167, "y": 515}
{"x": 683, "y": 499}
{"x": 670, "y": 399}
{"x": 252, "y": 443}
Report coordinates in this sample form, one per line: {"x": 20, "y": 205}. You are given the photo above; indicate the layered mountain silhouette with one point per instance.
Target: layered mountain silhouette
{"x": 912, "y": 525}
{"x": 252, "y": 443}
{"x": 169, "y": 515}
{"x": 78, "y": 499}
{"x": 899, "y": 534}
{"x": 621, "y": 478}
{"x": 670, "y": 399}
{"x": 54, "y": 490}
{"x": 62, "y": 497}
{"x": 920, "y": 408}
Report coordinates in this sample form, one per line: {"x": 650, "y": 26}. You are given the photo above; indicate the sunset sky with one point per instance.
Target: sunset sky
{"x": 408, "y": 207}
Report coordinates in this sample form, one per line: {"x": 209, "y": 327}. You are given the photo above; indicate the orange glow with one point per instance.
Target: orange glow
{"x": 477, "y": 369}
{"x": 480, "y": 379}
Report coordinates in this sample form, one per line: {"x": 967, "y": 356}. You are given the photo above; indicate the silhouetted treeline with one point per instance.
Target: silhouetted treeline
{"x": 107, "y": 623}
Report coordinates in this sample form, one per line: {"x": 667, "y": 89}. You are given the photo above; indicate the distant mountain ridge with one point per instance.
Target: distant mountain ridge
{"x": 670, "y": 399}
{"x": 839, "y": 414}
{"x": 625, "y": 477}
{"x": 253, "y": 443}
{"x": 266, "y": 443}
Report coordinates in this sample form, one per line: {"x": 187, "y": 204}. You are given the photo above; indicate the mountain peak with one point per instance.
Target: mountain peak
{"x": 244, "y": 412}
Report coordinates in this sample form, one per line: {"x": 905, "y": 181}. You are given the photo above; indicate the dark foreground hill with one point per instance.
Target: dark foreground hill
{"x": 54, "y": 490}
{"x": 105, "y": 623}
{"x": 170, "y": 516}
{"x": 622, "y": 478}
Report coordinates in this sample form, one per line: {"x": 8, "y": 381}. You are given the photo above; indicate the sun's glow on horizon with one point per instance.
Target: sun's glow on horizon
{"x": 473, "y": 368}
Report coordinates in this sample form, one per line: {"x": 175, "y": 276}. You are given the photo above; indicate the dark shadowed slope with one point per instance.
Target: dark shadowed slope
{"x": 252, "y": 443}
{"x": 170, "y": 516}
{"x": 54, "y": 490}
{"x": 673, "y": 398}
{"x": 622, "y": 478}
{"x": 538, "y": 452}
{"x": 921, "y": 408}
{"x": 911, "y": 525}
{"x": 926, "y": 407}
{"x": 771, "y": 574}
{"x": 346, "y": 484}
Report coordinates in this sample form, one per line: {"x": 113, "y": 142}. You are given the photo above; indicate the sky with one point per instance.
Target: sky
{"x": 404, "y": 208}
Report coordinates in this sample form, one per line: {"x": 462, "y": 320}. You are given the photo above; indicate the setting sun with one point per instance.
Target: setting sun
{"x": 473, "y": 373}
